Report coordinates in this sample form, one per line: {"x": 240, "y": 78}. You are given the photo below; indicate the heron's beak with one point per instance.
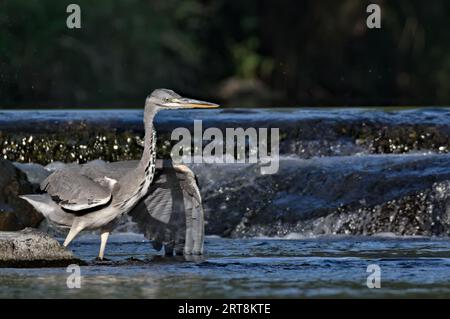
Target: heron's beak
{"x": 192, "y": 104}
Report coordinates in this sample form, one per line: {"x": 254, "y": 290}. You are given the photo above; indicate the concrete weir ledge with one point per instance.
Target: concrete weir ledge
{"x": 32, "y": 249}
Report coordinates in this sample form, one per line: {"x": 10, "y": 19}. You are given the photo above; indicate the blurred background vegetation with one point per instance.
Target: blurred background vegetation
{"x": 241, "y": 53}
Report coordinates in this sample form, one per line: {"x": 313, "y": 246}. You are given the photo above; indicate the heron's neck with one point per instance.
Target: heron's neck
{"x": 138, "y": 181}
{"x": 148, "y": 158}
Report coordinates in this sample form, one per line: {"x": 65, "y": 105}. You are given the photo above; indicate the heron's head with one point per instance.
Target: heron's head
{"x": 168, "y": 99}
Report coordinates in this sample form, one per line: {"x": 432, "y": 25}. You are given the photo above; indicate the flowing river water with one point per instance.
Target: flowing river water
{"x": 356, "y": 187}
{"x": 319, "y": 267}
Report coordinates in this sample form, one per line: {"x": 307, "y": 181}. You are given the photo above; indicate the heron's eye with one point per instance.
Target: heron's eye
{"x": 166, "y": 99}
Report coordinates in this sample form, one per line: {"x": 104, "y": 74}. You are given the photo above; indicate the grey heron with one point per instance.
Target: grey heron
{"x": 93, "y": 195}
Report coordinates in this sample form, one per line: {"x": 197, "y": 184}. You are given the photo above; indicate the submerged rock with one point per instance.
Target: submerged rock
{"x": 425, "y": 213}
{"x": 15, "y": 213}
{"x": 30, "y": 248}
{"x": 358, "y": 195}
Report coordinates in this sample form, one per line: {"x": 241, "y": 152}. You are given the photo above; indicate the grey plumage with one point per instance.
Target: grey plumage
{"x": 94, "y": 195}
{"x": 74, "y": 191}
{"x": 171, "y": 213}
{"x": 168, "y": 214}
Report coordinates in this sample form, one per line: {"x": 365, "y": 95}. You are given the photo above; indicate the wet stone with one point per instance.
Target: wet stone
{"x": 29, "y": 248}
{"x": 15, "y": 213}
{"x": 365, "y": 195}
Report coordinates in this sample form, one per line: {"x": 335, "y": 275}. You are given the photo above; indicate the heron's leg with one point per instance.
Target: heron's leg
{"x": 104, "y": 238}
{"x": 74, "y": 230}
{"x": 198, "y": 229}
{"x": 179, "y": 248}
{"x": 168, "y": 249}
{"x": 195, "y": 227}
{"x": 189, "y": 241}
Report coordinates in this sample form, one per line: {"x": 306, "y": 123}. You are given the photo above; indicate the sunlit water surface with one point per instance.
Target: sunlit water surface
{"x": 245, "y": 268}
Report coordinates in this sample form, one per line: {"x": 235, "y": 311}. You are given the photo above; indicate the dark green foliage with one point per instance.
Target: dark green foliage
{"x": 254, "y": 52}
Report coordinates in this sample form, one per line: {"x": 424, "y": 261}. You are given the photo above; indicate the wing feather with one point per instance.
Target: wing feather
{"x": 171, "y": 213}
{"x": 160, "y": 216}
{"x": 74, "y": 191}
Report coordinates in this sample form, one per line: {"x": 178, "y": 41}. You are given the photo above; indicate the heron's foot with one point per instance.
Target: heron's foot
{"x": 196, "y": 252}
{"x": 99, "y": 259}
{"x": 194, "y": 258}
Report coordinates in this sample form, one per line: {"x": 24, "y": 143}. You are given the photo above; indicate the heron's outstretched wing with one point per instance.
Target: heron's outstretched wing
{"x": 195, "y": 226}
{"x": 74, "y": 191}
{"x": 171, "y": 213}
{"x": 160, "y": 215}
